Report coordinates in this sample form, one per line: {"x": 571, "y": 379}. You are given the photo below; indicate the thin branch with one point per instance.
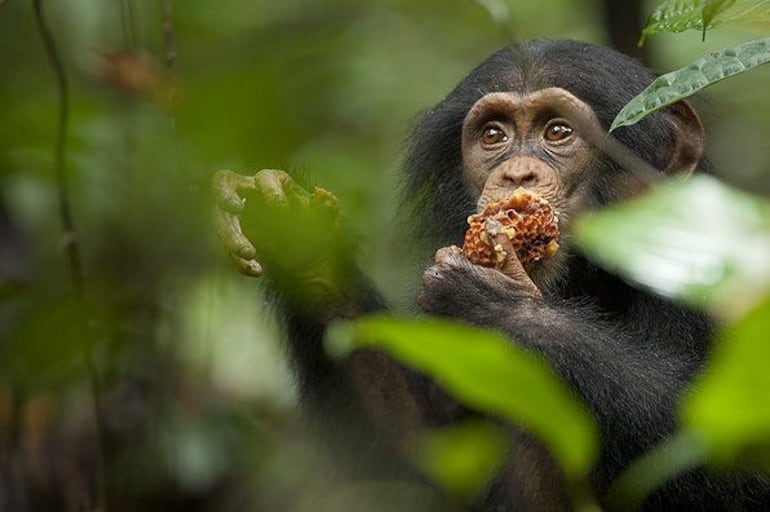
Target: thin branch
{"x": 71, "y": 244}
{"x": 168, "y": 33}
{"x": 127, "y": 20}
{"x": 70, "y": 237}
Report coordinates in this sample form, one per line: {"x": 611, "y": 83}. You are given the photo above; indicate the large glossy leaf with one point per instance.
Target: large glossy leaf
{"x": 680, "y": 84}
{"x": 728, "y": 405}
{"x": 487, "y": 372}
{"x": 697, "y": 240}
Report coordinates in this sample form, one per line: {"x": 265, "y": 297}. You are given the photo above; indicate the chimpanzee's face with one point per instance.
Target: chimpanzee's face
{"x": 513, "y": 140}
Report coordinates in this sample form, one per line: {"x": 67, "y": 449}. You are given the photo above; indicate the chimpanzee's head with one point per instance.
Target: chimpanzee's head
{"x": 504, "y": 127}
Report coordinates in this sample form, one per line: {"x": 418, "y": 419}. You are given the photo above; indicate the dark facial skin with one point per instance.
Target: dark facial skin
{"x": 512, "y": 140}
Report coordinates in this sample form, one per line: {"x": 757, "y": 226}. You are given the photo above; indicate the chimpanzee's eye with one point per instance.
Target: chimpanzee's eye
{"x": 493, "y": 135}
{"x": 557, "y": 131}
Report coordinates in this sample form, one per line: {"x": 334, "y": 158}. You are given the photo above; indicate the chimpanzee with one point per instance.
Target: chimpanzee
{"x": 520, "y": 119}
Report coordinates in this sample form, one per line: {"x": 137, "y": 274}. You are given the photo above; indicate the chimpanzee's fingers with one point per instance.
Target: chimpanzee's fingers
{"x": 451, "y": 255}
{"x": 277, "y": 187}
{"x": 226, "y": 185}
{"x": 249, "y": 268}
{"x": 324, "y": 203}
{"x": 269, "y": 183}
{"x": 509, "y": 261}
{"x": 235, "y": 242}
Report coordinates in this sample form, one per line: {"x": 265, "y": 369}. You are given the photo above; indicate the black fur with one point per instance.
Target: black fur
{"x": 603, "y": 78}
{"x": 626, "y": 353}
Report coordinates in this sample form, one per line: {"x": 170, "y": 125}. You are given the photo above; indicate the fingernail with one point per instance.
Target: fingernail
{"x": 235, "y": 204}
{"x": 255, "y": 268}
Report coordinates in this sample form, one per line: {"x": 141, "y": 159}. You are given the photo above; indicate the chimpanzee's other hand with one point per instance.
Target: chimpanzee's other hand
{"x": 268, "y": 220}
{"x": 457, "y": 288}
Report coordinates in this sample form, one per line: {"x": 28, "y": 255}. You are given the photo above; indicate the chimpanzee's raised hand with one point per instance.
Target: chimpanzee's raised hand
{"x": 268, "y": 222}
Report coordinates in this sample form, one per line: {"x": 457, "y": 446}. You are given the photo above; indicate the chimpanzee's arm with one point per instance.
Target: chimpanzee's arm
{"x": 272, "y": 226}
{"x": 628, "y": 386}
{"x": 629, "y": 374}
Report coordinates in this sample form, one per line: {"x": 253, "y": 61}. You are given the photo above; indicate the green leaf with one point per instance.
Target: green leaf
{"x": 462, "y": 458}
{"x": 712, "y": 9}
{"x": 486, "y": 371}
{"x": 749, "y": 12}
{"x": 680, "y": 84}
{"x": 653, "y": 469}
{"x": 681, "y": 15}
{"x": 727, "y": 406}
{"x": 697, "y": 240}
{"x": 50, "y": 344}
{"x": 701, "y": 15}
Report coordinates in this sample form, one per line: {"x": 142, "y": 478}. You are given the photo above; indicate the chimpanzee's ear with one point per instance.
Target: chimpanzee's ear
{"x": 689, "y": 139}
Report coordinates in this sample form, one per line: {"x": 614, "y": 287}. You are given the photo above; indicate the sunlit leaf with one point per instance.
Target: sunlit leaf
{"x": 698, "y": 241}
{"x": 462, "y": 458}
{"x": 750, "y": 12}
{"x": 712, "y": 9}
{"x": 681, "y": 15}
{"x": 728, "y": 405}
{"x": 701, "y": 15}
{"x": 682, "y": 83}
{"x": 487, "y": 372}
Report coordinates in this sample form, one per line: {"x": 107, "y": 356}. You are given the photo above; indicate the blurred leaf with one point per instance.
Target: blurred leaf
{"x": 498, "y": 11}
{"x": 139, "y": 74}
{"x": 682, "y": 83}
{"x": 653, "y": 469}
{"x": 198, "y": 451}
{"x": 463, "y": 458}
{"x": 487, "y": 372}
{"x": 50, "y": 345}
{"x": 696, "y": 240}
{"x": 728, "y": 404}
{"x": 234, "y": 342}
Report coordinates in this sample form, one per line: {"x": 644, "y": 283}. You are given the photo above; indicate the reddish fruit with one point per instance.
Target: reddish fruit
{"x": 525, "y": 218}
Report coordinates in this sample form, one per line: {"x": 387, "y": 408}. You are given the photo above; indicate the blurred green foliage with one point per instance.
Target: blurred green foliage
{"x": 463, "y": 458}
{"x": 707, "y": 243}
{"x": 474, "y": 365}
{"x": 164, "y": 386}
{"x": 727, "y": 407}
